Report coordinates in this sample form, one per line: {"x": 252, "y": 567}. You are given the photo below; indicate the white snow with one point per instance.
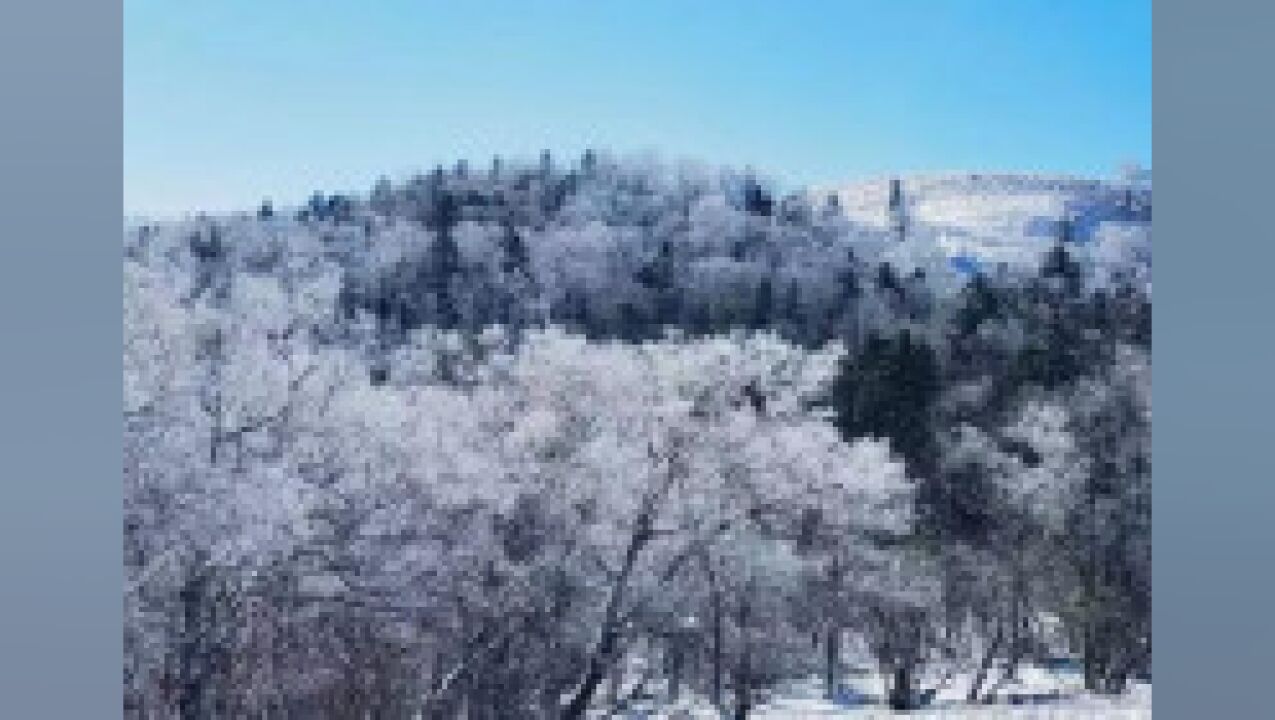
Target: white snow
{"x": 994, "y": 218}
{"x": 1062, "y": 696}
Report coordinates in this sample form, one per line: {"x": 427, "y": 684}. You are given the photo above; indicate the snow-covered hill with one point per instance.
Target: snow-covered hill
{"x": 987, "y": 219}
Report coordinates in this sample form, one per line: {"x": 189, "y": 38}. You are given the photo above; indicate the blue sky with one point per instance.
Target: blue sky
{"x": 229, "y": 102}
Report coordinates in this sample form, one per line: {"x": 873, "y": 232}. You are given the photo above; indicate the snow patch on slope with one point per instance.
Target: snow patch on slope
{"x": 989, "y": 219}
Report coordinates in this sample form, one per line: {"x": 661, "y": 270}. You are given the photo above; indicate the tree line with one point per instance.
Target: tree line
{"x": 546, "y": 439}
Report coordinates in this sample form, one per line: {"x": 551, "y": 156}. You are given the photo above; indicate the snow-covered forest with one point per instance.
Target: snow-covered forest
{"x": 582, "y": 437}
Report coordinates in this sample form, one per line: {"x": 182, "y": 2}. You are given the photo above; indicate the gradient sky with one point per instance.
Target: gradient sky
{"x": 229, "y": 102}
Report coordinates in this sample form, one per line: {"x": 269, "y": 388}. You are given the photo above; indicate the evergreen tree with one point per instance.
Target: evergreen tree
{"x": 757, "y": 201}
{"x": 888, "y": 391}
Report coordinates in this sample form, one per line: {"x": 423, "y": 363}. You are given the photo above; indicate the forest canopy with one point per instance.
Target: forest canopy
{"x": 542, "y": 439}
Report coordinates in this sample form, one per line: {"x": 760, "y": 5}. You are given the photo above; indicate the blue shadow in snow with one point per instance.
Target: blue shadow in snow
{"x": 848, "y": 697}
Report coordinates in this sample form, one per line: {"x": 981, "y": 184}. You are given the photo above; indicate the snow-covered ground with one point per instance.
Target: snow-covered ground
{"x": 1039, "y": 694}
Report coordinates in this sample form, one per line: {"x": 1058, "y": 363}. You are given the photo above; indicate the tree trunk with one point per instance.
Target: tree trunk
{"x": 675, "y": 671}
{"x": 717, "y": 641}
{"x": 901, "y": 693}
{"x": 1015, "y": 639}
{"x": 603, "y": 655}
{"x": 832, "y": 653}
{"x": 988, "y": 658}
{"x": 743, "y": 673}
{"x": 614, "y": 683}
{"x": 1093, "y": 672}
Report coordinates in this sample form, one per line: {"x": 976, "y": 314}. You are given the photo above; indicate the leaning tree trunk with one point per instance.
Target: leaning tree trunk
{"x": 603, "y": 655}
{"x": 608, "y": 645}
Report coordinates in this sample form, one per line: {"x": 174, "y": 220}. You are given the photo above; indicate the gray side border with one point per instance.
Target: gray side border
{"x": 60, "y": 360}
{"x": 1214, "y": 488}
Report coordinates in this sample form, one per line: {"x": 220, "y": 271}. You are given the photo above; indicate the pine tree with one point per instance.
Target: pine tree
{"x": 896, "y": 210}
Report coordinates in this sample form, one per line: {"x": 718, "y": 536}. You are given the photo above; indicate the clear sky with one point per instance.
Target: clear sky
{"x": 229, "y": 102}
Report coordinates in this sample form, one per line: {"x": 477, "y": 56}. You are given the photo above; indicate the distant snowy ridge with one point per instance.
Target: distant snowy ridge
{"x": 1007, "y": 218}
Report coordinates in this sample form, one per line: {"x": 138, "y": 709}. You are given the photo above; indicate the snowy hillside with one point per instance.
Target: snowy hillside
{"x": 593, "y": 438}
{"x": 1009, "y": 218}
